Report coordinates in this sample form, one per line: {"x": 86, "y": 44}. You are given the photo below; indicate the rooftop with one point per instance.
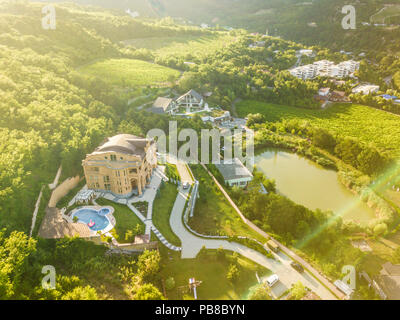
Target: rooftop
{"x": 389, "y": 279}
{"x": 233, "y": 169}
{"x": 124, "y": 143}
{"x": 193, "y": 93}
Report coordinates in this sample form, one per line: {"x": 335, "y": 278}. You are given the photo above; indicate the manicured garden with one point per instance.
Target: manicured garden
{"x": 213, "y": 213}
{"x": 131, "y": 72}
{"x": 212, "y": 269}
{"x": 126, "y": 221}
{"x": 162, "y": 208}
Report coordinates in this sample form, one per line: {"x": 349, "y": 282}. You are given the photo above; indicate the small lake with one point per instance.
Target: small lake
{"x": 311, "y": 185}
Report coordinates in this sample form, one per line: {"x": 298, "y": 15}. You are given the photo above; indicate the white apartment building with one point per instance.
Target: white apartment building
{"x": 366, "y": 89}
{"x": 326, "y": 68}
{"x": 304, "y": 72}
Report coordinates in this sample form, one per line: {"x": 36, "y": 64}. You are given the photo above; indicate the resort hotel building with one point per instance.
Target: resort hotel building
{"x": 121, "y": 165}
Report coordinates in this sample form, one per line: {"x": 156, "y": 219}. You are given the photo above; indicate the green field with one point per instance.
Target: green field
{"x": 365, "y": 123}
{"x": 212, "y": 272}
{"x": 130, "y": 72}
{"x": 184, "y": 45}
{"x": 162, "y": 208}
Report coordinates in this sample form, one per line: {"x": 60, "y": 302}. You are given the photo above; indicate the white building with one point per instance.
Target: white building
{"x": 306, "y": 52}
{"x": 234, "y": 173}
{"x": 366, "y": 89}
{"x": 304, "y": 72}
{"x": 324, "y": 92}
{"x": 326, "y": 68}
{"x": 191, "y": 100}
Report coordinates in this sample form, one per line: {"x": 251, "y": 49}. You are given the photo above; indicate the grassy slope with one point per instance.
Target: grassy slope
{"x": 362, "y": 122}
{"x": 213, "y": 213}
{"x": 162, "y": 208}
{"x": 212, "y": 273}
{"x": 130, "y": 72}
{"x": 184, "y": 45}
{"x": 125, "y": 218}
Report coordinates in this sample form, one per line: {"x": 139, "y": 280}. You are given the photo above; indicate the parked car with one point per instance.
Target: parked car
{"x": 186, "y": 185}
{"x": 272, "y": 280}
{"x": 297, "y": 267}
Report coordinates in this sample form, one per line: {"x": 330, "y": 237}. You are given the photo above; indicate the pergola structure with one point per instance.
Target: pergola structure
{"x": 85, "y": 196}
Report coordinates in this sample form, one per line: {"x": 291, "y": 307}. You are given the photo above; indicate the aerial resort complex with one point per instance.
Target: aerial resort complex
{"x": 199, "y": 150}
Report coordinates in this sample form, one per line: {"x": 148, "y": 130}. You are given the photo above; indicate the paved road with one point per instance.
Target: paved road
{"x": 285, "y": 249}
{"x": 192, "y": 244}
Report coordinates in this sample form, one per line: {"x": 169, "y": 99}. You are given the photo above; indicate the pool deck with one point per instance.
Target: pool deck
{"x": 55, "y": 227}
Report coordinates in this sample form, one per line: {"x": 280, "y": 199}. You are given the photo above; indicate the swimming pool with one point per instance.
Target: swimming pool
{"x": 92, "y": 215}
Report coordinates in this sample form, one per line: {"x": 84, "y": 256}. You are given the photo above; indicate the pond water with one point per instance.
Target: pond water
{"x": 311, "y": 185}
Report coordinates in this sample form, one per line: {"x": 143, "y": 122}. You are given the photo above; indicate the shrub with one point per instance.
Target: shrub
{"x": 170, "y": 283}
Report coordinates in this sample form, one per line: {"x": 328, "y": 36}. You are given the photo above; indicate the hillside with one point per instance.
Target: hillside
{"x": 311, "y": 22}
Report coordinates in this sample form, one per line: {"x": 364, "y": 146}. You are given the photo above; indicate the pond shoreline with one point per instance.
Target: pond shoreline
{"x": 292, "y": 151}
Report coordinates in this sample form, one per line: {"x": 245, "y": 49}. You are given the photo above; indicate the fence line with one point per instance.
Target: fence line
{"x": 35, "y": 212}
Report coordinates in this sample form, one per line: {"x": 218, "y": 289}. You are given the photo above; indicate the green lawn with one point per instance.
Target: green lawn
{"x": 350, "y": 120}
{"x": 130, "y": 72}
{"x": 213, "y": 214}
{"x": 212, "y": 272}
{"x": 125, "y": 219}
{"x": 184, "y": 45}
{"x": 162, "y": 208}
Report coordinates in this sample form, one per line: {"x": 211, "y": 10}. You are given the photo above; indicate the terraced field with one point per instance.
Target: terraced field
{"x": 184, "y": 45}
{"x": 130, "y": 72}
{"x": 362, "y": 122}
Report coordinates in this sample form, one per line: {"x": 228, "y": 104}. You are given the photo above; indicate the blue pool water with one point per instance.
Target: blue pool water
{"x": 97, "y": 216}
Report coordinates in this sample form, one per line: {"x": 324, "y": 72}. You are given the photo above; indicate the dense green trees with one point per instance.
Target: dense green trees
{"x": 366, "y": 158}
{"x": 77, "y": 262}
{"x": 240, "y": 71}
{"x": 14, "y": 252}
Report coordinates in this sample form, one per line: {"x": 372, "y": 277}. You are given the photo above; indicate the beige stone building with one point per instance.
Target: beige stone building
{"x": 121, "y": 165}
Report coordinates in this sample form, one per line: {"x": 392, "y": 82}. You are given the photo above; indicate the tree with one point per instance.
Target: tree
{"x": 260, "y": 292}
{"x": 380, "y": 229}
{"x": 298, "y": 291}
{"x": 14, "y": 253}
{"x": 323, "y": 139}
{"x": 149, "y": 265}
{"x": 220, "y": 254}
{"x": 148, "y": 292}
{"x": 81, "y": 293}
{"x": 233, "y": 273}
{"x": 202, "y": 253}
{"x": 170, "y": 283}
{"x": 256, "y": 118}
